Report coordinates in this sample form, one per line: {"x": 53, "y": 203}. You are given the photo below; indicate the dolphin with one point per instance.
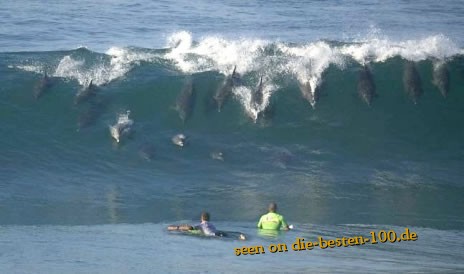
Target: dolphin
{"x": 441, "y": 78}
{"x": 91, "y": 114}
{"x": 185, "y": 101}
{"x": 217, "y": 155}
{"x": 118, "y": 131}
{"x": 366, "y": 85}
{"x": 42, "y": 86}
{"x": 308, "y": 94}
{"x": 122, "y": 128}
{"x": 85, "y": 93}
{"x": 147, "y": 152}
{"x": 282, "y": 159}
{"x": 412, "y": 81}
{"x": 236, "y": 78}
{"x": 179, "y": 140}
{"x": 225, "y": 90}
{"x": 258, "y": 94}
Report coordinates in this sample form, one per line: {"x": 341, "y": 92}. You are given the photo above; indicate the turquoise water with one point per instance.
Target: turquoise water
{"x": 146, "y": 248}
{"x": 337, "y": 156}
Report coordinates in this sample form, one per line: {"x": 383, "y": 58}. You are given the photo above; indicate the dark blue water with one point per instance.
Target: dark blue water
{"x": 338, "y": 156}
{"x": 34, "y": 25}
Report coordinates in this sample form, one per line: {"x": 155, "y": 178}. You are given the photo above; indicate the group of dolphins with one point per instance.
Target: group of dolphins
{"x": 411, "y": 82}
{"x": 88, "y": 93}
{"x": 123, "y": 127}
{"x": 366, "y": 88}
{"x": 186, "y": 99}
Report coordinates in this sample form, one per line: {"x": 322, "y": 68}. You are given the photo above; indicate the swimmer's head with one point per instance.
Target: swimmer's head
{"x": 272, "y": 207}
{"x": 205, "y": 216}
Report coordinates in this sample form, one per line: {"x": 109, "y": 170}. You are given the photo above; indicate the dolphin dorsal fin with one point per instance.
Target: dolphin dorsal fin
{"x": 259, "y": 88}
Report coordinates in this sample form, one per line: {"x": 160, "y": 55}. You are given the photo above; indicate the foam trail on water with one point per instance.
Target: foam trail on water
{"x": 37, "y": 68}
{"x": 123, "y": 60}
{"x": 119, "y": 62}
{"x": 73, "y": 69}
{"x": 252, "y": 108}
{"x": 309, "y": 62}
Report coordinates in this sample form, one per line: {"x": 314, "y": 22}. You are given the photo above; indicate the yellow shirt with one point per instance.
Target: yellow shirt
{"x": 273, "y": 221}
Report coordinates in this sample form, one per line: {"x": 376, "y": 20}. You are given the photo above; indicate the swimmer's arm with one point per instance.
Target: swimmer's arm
{"x": 180, "y": 227}
{"x": 284, "y": 225}
{"x": 260, "y": 223}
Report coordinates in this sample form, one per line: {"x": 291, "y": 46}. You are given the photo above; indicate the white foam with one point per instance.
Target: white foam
{"x": 438, "y": 64}
{"x": 213, "y": 53}
{"x": 122, "y": 61}
{"x": 123, "y": 119}
{"x": 71, "y": 68}
{"x": 31, "y": 68}
{"x": 382, "y": 49}
{"x": 180, "y": 41}
{"x": 77, "y": 69}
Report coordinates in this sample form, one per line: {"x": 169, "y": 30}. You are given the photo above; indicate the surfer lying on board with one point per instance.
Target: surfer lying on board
{"x": 272, "y": 220}
{"x": 205, "y": 227}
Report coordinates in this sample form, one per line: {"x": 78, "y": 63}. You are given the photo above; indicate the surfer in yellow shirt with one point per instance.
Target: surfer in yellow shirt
{"x": 272, "y": 220}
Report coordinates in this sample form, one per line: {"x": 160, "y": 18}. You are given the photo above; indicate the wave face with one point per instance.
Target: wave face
{"x": 299, "y": 123}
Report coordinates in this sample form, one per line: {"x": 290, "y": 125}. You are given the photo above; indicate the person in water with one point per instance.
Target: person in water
{"x": 205, "y": 226}
{"x": 272, "y": 220}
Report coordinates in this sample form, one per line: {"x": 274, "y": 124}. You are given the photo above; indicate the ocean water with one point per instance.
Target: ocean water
{"x": 349, "y": 115}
